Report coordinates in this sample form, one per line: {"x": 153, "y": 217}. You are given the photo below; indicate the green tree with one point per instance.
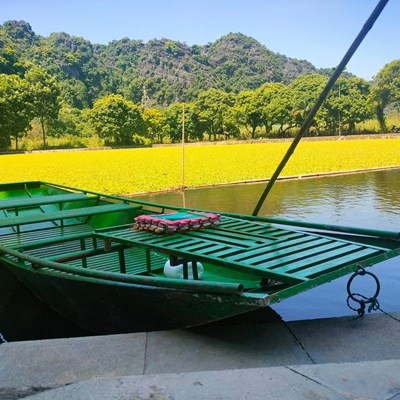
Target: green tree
{"x": 265, "y": 94}
{"x": 194, "y": 129}
{"x": 156, "y": 124}
{"x": 116, "y": 119}
{"x": 348, "y": 102}
{"x": 248, "y": 110}
{"x": 304, "y": 92}
{"x": 45, "y": 98}
{"x": 9, "y": 63}
{"x": 70, "y": 121}
{"x": 75, "y": 93}
{"x": 279, "y": 111}
{"x": 16, "y": 111}
{"x": 212, "y": 107}
{"x": 386, "y": 90}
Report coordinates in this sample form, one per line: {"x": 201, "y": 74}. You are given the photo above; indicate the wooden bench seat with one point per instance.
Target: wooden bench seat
{"x": 64, "y": 214}
{"x": 42, "y": 200}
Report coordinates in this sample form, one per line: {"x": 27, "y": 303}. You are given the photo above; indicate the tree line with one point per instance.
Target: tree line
{"x": 171, "y": 71}
{"x": 272, "y": 110}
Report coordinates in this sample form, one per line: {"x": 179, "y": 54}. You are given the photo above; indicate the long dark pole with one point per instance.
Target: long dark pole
{"x": 307, "y": 122}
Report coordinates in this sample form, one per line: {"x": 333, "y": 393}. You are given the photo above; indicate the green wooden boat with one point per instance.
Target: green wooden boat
{"x": 78, "y": 251}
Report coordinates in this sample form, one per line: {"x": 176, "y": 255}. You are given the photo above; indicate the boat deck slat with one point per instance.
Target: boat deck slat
{"x": 231, "y": 236}
{"x": 287, "y": 256}
{"x": 42, "y": 200}
{"x": 64, "y": 214}
{"x": 337, "y": 260}
{"x": 278, "y": 248}
{"x": 254, "y": 229}
{"x": 59, "y": 249}
{"x": 304, "y": 258}
{"x": 109, "y": 262}
{"x": 192, "y": 245}
{"x": 18, "y": 240}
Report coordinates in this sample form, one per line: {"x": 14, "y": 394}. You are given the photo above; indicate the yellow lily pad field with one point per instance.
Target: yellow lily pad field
{"x": 130, "y": 171}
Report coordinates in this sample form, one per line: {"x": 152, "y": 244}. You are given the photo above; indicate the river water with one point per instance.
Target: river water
{"x": 368, "y": 200}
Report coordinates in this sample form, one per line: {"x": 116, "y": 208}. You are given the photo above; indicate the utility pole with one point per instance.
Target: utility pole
{"x": 183, "y": 148}
{"x": 339, "y": 128}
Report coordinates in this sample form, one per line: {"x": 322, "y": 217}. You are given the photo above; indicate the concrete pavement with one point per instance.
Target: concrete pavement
{"x": 368, "y": 380}
{"x": 337, "y": 358}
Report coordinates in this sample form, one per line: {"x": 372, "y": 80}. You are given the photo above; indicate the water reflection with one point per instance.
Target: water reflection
{"x": 368, "y": 200}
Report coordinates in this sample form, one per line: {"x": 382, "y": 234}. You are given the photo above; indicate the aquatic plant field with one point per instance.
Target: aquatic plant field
{"x": 130, "y": 171}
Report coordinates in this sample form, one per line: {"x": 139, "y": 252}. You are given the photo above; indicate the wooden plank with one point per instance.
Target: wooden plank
{"x": 212, "y": 249}
{"x": 230, "y": 223}
{"x": 35, "y": 237}
{"x": 42, "y": 200}
{"x": 208, "y": 234}
{"x": 193, "y": 245}
{"x": 295, "y": 258}
{"x": 277, "y": 247}
{"x": 202, "y": 257}
{"x": 227, "y": 252}
{"x": 64, "y": 214}
{"x": 53, "y": 240}
{"x": 250, "y": 228}
{"x": 234, "y": 235}
{"x": 243, "y": 235}
{"x": 338, "y": 261}
{"x": 301, "y": 259}
{"x": 288, "y": 253}
{"x": 167, "y": 240}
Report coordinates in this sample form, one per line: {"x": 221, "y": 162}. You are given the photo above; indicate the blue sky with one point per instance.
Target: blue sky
{"x": 319, "y": 31}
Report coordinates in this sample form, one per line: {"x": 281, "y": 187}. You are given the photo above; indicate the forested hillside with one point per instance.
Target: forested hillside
{"x": 128, "y": 92}
{"x": 159, "y": 72}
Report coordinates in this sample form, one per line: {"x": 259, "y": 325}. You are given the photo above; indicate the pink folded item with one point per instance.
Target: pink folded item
{"x": 176, "y": 222}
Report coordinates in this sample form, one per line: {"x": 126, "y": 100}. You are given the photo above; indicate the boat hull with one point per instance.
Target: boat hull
{"x": 79, "y": 252}
{"x": 23, "y": 316}
{"x": 104, "y": 307}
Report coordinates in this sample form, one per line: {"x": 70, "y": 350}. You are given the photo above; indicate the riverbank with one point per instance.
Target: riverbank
{"x": 144, "y": 170}
{"x": 282, "y": 178}
{"x": 336, "y": 358}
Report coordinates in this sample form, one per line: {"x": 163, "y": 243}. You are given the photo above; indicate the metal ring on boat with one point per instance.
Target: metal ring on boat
{"x": 361, "y": 299}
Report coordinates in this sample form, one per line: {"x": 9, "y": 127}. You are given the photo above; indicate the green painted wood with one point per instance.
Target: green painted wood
{"x": 193, "y": 245}
{"x": 36, "y": 236}
{"x": 337, "y": 261}
{"x": 262, "y": 231}
{"x": 289, "y": 254}
{"x": 276, "y": 248}
{"x": 64, "y": 214}
{"x": 305, "y": 258}
{"x": 282, "y": 259}
{"x": 42, "y": 200}
{"x": 172, "y": 239}
{"x": 227, "y": 252}
{"x": 213, "y": 235}
{"x": 202, "y": 255}
{"x": 52, "y": 241}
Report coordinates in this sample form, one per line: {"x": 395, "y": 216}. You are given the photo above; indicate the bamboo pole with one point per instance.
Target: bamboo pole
{"x": 307, "y": 122}
{"x": 183, "y": 148}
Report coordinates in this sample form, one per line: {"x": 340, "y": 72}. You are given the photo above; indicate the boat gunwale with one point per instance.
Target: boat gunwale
{"x": 393, "y": 235}
{"x": 185, "y": 285}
